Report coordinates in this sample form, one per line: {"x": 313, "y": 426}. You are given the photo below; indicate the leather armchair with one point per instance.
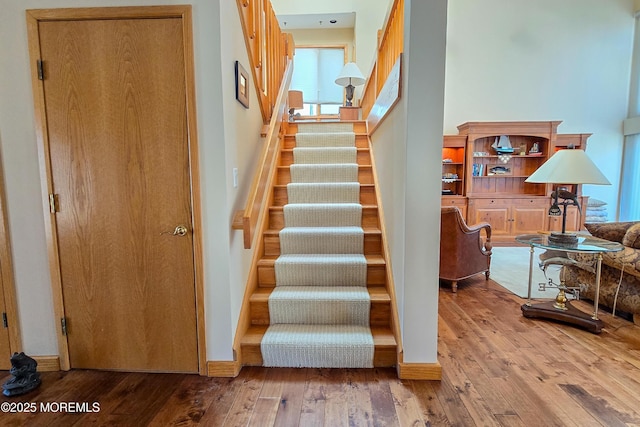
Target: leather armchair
{"x": 464, "y": 252}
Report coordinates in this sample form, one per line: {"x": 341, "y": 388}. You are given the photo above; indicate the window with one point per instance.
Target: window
{"x": 630, "y": 182}
{"x": 314, "y": 72}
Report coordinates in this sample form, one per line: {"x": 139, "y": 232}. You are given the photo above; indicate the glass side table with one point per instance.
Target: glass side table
{"x": 560, "y": 309}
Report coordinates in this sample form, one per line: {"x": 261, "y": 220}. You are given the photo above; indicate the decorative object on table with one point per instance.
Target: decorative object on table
{"x": 503, "y": 148}
{"x": 349, "y": 78}
{"x": 559, "y": 308}
{"x": 242, "y": 85}
{"x": 569, "y": 166}
{"x": 295, "y": 103}
{"x": 24, "y": 376}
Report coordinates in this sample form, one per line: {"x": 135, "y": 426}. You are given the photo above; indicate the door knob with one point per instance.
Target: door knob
{"x": 180, "y": 230}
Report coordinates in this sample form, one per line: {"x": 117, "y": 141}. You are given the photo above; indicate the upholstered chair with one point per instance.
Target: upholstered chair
{"x": 464, "y": 251}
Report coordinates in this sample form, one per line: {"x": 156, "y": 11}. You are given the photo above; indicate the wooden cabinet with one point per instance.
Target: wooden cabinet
{"x": 453, "y": 172}
{"x": 490, "y": 185}
{"x": 458, "y": 201}
{"x": 510, "y": 216}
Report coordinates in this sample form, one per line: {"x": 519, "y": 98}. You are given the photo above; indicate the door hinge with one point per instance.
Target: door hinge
{"x": 53, "y": 205}
{"x": 5, "y": 321}
{"x": 40, "y": 65}
{"x": 63, "y": 323}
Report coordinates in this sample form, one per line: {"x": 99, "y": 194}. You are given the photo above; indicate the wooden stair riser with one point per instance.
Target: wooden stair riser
{"x": 369, "y": 218}
{"x": 363, "y": 157}
{"x": 372, "y": 243}
{"x": 362, "y": 141}
{"x": 379, "y": 315}
{"x": 367, "y": 195}
{"x": 376, "y": 274}
{"x": 365, "y": 175}
{"x": 291, "y": 128}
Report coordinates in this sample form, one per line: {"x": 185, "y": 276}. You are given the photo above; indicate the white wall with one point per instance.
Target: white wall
{"x": 407, "y": 149}
{"x": 221, "y": 123}
{"x": 563, "y": 60}
{"x": 370, "y": 15}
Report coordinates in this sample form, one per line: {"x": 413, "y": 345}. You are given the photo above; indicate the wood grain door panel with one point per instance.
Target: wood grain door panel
{"x": 116, "y": 116}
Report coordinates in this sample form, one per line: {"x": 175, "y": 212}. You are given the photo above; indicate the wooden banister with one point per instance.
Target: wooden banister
{"x": 271, "y": 57}
{"x": 269, "y": 50}
{"x": 247, "y": 219}
{"x": 390, "y": 47}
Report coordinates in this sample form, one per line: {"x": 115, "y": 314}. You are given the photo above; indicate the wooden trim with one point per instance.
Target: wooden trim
{"x": 244, "y": 319}
{"x": 184, "y": 12}
{"x": 7, "y": 279}
{"x": 196, "y": 201}
{"x": 47, "y": 363}
{"x": 387, "y": 98}
{"x": 420, "y": 371}
{"x": 264, "y": 170}
{"x": 222, "y": 368}
{"x": 33, "y": 16}
{"x": 391, "y": 287}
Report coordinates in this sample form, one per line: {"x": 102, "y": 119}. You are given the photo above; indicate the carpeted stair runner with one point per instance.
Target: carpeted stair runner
{"x": 323, "y": 214}
{"x": 319, "y": 155}
{"x": 335, "y": 139}
{"x": 324, "y": 192}
{"x": 320, "y": 269}
{"x": 320, "y": 308}
{"x": 335, "y": 305}
{"x": 324, "y": 173}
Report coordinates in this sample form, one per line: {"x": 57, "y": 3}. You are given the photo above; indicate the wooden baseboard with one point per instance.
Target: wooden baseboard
{"x": 220, "y": 368}
{"x": 420, "y": 371}
{"x": 47, "y": 363}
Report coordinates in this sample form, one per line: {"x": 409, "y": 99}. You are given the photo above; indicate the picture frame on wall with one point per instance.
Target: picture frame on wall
{"x": 242, "y": 85}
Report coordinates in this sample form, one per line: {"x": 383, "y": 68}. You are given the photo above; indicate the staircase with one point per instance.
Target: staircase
{"x": 321, "y": 298}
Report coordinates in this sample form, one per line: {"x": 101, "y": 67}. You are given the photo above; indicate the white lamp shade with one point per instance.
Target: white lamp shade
{"x": 350, "y": 75}
{"x": 569, "y": 166}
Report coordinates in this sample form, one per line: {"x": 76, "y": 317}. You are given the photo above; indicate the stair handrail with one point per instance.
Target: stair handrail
{"x": 390, "y": 47}
{"x": 269, "y": 50}
{"x": 247, "y": 219}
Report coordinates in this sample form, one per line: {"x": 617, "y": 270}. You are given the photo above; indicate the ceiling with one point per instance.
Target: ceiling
{"x": 317, "y": 21}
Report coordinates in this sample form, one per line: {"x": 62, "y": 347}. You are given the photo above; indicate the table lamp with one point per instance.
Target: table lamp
{"x": 295, "y": 103}
{"x": 569, "y": 166}
{"x": 349, "y": 77}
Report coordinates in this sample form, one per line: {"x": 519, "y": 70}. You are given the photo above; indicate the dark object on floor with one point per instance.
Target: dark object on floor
{"x": 24, "y": 376}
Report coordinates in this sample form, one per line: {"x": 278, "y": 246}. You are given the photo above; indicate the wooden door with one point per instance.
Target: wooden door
{"x": 493, "y": 211}
{"x": 114, "y": 93}
{"x": 529, "y": 219}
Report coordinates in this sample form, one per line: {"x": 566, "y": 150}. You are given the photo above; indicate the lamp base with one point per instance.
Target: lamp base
{"x": 565, "y": 239}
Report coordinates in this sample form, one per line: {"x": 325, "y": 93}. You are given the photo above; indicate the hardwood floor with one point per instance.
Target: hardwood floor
{"x": 499, "y": 369}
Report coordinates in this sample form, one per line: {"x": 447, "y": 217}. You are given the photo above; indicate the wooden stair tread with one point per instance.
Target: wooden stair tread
{"x": 382, "y": 336}
{"x": 281, "y": 207}
{"x": 367, "y": 231}
{"x": 284, "y": 186}
{"x": 269, "y": 261}
{"x": 377, "y": 294}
